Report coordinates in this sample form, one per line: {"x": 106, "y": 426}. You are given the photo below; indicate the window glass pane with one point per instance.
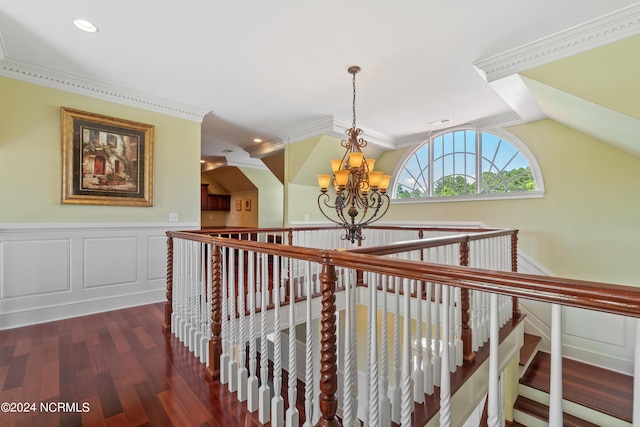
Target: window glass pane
{"x": 504, "y": 168}
{"x": 454, "y": 167}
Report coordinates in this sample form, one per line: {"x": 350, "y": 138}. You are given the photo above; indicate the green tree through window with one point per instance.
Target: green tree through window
{"x": 448, "y": 165}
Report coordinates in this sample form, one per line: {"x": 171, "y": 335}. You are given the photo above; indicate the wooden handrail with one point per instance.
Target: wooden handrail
{"x": 432, "y": 242}
{"x": 611, "y": 298}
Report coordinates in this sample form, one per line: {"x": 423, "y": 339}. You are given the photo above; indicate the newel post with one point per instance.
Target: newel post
{"x": 168, "y": 306}
{"x": 514, "y": 268}
{"x": 215, "y": 343}
{"x": 467, "y": 349}
{"x": 328, "y": 349}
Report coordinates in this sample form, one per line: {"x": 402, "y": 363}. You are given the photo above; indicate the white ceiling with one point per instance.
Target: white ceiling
{"x": 275, "y": 69}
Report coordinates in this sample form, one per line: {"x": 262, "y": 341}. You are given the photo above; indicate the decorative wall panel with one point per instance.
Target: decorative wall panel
{"x": 32, "y": 267}
{"x": 110, "y": 261}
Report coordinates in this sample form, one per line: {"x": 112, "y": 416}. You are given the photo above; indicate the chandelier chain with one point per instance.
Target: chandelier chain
{"x": 354, "y": 101}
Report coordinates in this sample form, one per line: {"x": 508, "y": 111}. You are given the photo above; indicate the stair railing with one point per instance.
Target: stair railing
{"x": 409, "y": 277}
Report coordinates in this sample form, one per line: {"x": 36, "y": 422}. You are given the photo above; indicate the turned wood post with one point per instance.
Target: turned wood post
{"x": 215, "y": 343}
{"x": 328, "y": 348}
{"x": 168, "y": 306}
{"x": 467, "y": 350}
{"x": 514, "y": 267}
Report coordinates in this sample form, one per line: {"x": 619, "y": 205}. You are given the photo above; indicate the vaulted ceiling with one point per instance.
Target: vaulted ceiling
{"x": 277, "y": 70}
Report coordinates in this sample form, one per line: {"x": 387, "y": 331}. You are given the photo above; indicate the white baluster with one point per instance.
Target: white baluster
{"x": 428, "y": 365}
{"x": 418, "y": 373}
{"x": 385, "y": 402}
{"x": 309, "y": 380}
{"x": 292, "y": 415}
{"x": 277, "y": 402}
{"x": 349, "y": 412}
{"x": 224, "y": 357}
{"x": 233, "y": 325}
{"x": 555, "y": 383}
{"x": 458, "y": 325}
{"x": 252, "y": 386}
{"x": 494, "y": 356}
{"x": 407, "y": 386}
{"x": 353, "y": 342}
{"x": 445, "y": 378}
{"x": 450, "y": 310}
{"x": 209, "y": 309}
{"x": 395, "y": 389}
{"x": 243, "y": 374}
{"x": 264, "y": 392}
{"x": 258, "y": 296}
{"x": 473, "y": 318}
{"x": 437, "y": 335}
{"x": 374, "y": 410}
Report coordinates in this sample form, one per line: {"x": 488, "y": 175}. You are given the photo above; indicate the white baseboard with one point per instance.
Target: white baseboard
{"x": 79, "y": 308}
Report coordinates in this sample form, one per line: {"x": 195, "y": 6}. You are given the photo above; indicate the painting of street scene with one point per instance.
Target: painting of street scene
{"x": 109, "y": 161}
{"x": 106, "y": 160}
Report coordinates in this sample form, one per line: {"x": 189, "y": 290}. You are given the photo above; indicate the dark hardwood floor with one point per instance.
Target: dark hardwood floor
{"x": 110, "y": 369}
{"x": 603, "y": 390}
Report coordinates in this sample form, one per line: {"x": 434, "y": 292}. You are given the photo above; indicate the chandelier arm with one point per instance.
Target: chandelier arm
{"x": 326, "y": 197}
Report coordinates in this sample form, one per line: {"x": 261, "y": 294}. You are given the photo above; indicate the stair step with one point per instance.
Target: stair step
{"x": 600, "y": 390}
{"x": 541, "y": 412}
{"x": 528, "y": 350}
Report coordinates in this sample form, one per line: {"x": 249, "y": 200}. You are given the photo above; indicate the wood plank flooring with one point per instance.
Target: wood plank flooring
{"x": 603, "y": 390}
{"x": 120, "y": 366}
{"x": 124, "y": 371}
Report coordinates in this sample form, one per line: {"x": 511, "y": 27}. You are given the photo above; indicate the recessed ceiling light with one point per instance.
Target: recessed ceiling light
{"x": 85, "y": 25}
{"x": 257, "y": 140}
{"x": 201, "y": 161}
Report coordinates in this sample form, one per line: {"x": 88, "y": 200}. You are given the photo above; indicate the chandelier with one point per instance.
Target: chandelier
{"x": 360, "y": 191}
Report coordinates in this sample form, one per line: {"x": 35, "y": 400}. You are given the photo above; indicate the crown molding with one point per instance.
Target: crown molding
{"x": 265, "y": 149}
{"x": 3, "y": 50}
{"x": 250, "y": 163}
{"x": 413, "y": 139}
{"x": 598, "y": 32}
{"x": 498, "y": 121}
{"x": 332, "y": 126}
{"x": 58, "y": 80}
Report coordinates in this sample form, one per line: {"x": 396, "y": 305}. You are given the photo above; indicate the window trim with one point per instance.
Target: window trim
{"x": 501, "y": 133}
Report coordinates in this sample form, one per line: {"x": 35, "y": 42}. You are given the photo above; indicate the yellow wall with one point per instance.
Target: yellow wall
{"x": 244, "y": 217}
{"x": 586, "y": 226}
{"x": 30, "y": 159}
{"x": 269, "y": 201}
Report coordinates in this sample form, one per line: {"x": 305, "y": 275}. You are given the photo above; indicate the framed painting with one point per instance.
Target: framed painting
{"x": 238, "y": 204}
{"x": 247, "y": 205}
{"x": 105, "y": 160}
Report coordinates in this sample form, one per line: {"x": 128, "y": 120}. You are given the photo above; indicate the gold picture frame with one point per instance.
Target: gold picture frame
{"x": 247, "y": 205}
{"x": 105, "y": 160}
{"x": 238, "y": 204}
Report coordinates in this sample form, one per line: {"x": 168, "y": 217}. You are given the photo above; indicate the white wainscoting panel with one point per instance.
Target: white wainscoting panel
{"x": 593, "y": 337}
{"x": 56, "y": 271}
{"x": 110, "y": 261}
{"x": 48, "y": 263}
{"x": 156, "y": 257}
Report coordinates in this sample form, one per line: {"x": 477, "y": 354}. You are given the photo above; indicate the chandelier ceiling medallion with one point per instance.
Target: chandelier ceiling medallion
{"x": 360, "y": 191}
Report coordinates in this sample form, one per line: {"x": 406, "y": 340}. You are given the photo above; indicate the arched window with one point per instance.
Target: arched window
{"x": 468, "y": 163}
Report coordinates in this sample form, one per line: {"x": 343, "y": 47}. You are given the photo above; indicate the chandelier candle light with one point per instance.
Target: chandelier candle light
{"x": 360, "y": 191}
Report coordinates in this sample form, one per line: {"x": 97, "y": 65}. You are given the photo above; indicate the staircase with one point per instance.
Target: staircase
{"x": 592, "y": 396}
